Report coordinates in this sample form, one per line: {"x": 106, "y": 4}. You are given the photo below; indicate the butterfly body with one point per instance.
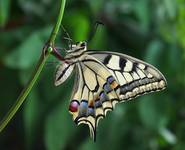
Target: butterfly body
{"x": 104, "y": 79}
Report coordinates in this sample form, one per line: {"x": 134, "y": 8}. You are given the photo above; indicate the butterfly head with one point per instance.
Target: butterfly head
{"x": 79, "y": 46}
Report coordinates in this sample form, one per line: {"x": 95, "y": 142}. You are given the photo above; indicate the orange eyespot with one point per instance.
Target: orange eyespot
{"x": 91, "y": 103}
{"x": 114, "y": 84}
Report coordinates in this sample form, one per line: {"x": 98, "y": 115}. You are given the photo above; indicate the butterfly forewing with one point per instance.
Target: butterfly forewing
{"x": 134, "y": 76}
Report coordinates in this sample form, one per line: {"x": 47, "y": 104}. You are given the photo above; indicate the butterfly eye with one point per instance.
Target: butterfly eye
{"x": 83, "y": 44}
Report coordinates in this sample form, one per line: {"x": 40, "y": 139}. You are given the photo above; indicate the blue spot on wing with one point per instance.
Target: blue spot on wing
{"x": 103, "y": 97}
{"x": 83, "y": 108}
{"x": 91, "y": 111}
{"x": 107, "y": 88}
{"x": 98, "y": 103}
{"x": 110, "y": 79}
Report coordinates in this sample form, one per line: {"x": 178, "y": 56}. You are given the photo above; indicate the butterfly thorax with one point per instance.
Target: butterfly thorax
{"x": 76, "y": 52}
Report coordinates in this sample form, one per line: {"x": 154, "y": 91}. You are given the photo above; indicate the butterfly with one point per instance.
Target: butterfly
{"x": 103, "y": 79}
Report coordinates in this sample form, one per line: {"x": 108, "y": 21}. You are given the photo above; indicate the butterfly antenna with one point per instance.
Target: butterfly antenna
{"x": 97, "y": 23}
{"x": 70, "y": 41}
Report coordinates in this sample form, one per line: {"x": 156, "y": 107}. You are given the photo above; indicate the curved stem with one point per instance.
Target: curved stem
{"x": 58, "y": 23}
{"x": 24, "y": 93}
{"x": 47, "y": 50}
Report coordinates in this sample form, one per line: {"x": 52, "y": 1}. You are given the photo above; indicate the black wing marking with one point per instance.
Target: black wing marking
{"x": 94, "y": 93}
{"x": 134, "y": 76}
{"x": 63, "y": 71}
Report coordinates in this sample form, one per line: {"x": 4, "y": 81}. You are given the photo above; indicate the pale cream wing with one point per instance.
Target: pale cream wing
{"x": 63, "y": 71}
{"x": 94, "y": 93}
{"x": 135, "y": 77}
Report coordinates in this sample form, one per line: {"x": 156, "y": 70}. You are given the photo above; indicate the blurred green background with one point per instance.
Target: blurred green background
{"x": 152, "y": 30}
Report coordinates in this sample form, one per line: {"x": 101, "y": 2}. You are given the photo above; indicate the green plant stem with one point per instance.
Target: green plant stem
{"x": 47, "y": 50}
{"x": 58, "y": 23}
{"x": 24, "y": 93}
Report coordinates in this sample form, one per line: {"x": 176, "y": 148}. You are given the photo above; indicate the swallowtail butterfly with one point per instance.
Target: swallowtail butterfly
{"x": 103, "y": 79}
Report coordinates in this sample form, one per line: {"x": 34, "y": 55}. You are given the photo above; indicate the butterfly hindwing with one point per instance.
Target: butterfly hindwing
{"x": 94, "y": 93}
{"x": 134, "y": 76}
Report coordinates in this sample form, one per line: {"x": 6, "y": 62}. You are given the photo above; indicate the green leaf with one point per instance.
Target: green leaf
{"x": 168, "y": 136}
{"x": 79, "y": 25}
{"x": 4, "y": 11}
{"x": 9, "y": 87}
{"x": 59, "y": 127}
{"x": 142, "y": 13}
{"x": 99, "y": 39}
{"x": 31, "y": 114}
{"x": 171, "y": 8}
{"x": 25, "y": 55}
{"x": 88, "y": 144}
{"x": 150, "y": 113}
{"x": 32, "y": 7}
{"x": 96, "y": 7}
{"x": 153, "y": 52}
